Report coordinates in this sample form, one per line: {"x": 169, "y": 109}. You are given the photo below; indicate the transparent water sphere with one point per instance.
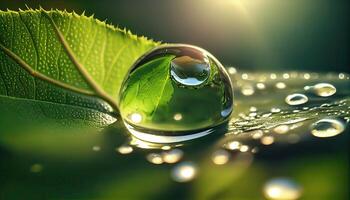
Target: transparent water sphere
{"x": 175, "y": 93}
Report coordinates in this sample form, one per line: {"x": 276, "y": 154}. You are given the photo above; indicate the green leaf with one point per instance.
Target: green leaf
{"x": 49, "y": 44}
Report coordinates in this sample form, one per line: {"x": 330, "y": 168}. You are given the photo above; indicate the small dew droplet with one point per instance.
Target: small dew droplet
{"x": 282, "y": 189}
{"x": 281, "y": 129}
{"x": 267, "y": 140}
{"x": 172, "y": 156}
{"x": 281, "y": 85}
{"x": 155, "y": 158}
{"x": 220, "y": 157}
{"x": 296, "y": 99}
{"x": 324, "y": 89}
{"x": 184, "y": 172}
{"x": 247, "y": 90}
{"x": 125, "y": 149}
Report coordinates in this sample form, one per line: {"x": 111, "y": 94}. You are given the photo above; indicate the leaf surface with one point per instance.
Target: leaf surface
{"x": 105, "y": 52}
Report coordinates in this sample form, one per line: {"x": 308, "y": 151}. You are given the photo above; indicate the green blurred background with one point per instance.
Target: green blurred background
{"x": 248, "y": 34}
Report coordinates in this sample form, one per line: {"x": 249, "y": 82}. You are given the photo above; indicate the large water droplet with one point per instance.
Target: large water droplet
{"x": 296, "y": 99}
{"x": 327, "y": 128}
{"x": 175, "y": 93}
{"x": 282, "y": 189}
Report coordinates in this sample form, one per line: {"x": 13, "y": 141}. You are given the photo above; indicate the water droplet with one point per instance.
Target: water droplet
{"x": 247, "y": 90}
{"x": 233, "y": 145}
{"x": 257, "y": 134}
{"x": 275, "y": 110}
{"x": 125, "y": 149}
{"x": 327, "y": 128}
{"x": 220, "y": 157}
{"x": 281, "y": 85}
{"x": 282, "y": 189}
{"x": 244, "y": 148}
{"x": 172, "y": 156}
{"x": 232, "y": 70}
{"x": 296, "y": 99}
{"x": 324, "y": 89}
{"x": 184, "y": 172}
{"x": 267, "y": 140}
{"x": 286, "y": 76}
{"x": 281, "y": 129}
{"x": 155, "y": 158}
{"x": 307, "y": 76}
{"x": 273, "y": 76}
{"x": 253, "y": 109}
{"x": 155, "y": 95}
{"x": 260, "y": 86}
{"x": 178, "y": 116}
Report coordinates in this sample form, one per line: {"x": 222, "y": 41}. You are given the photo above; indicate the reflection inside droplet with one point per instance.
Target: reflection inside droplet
{"x": 327, "y": 128}
{"x": 190, "y": 71}
{"x": 282, "y": 189}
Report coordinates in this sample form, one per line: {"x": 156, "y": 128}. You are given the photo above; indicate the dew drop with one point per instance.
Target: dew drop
{"x": 125, "y": 149}
{"x": 244, "y": 148}
{"x": 172, "y": 156}
{"x": 260, "y": 86}
{"x": 282, "y": 189}
{"x": 232, "y": 70}
{"x": 155, "y": 158}
{"x": 296, "y": 99}
{"x": 184, "y": 172}
{"x": 327, "y": 128}
{"x": 247, "y": 90}
{"x": 233, "y": 145}
{"x": 275, "y": 110}
{"x": 281, "y": 85}
{"x": 220, "y": 157}
{"x": 281, "y": 129}
{"x": 324, "y": 89}
{"x": 155, "y": 95}
{"x": 267, "y": 140}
